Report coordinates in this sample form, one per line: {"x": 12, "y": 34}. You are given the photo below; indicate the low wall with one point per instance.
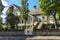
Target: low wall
{"x": 48, "y": 32}
{"x": 19, "y": 35}
{"x": 54, "y": 32}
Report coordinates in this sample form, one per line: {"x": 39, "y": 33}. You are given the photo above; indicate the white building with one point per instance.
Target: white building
{"x": 16, "y": 12}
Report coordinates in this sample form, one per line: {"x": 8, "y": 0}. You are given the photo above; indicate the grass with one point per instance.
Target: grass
{"x": 58, "y": 27}
{"x": 5, "y": 27}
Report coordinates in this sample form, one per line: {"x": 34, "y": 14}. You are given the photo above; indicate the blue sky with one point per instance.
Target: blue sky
{"x": 17, "y": 2}
{"x": 32, "y": 3}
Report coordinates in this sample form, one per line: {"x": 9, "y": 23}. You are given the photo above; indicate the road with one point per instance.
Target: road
{"x": 32, "y": 38}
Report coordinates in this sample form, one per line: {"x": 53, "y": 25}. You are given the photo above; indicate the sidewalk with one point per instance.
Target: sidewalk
{"x": 46, "y": 37}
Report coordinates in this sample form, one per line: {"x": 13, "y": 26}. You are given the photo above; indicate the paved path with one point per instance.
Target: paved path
{"x": 45, "y": 37}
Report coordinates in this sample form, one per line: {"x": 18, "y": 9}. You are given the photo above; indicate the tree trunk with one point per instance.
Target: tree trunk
{"x": 54, "y": 15}
{"x": 25, "y": 25}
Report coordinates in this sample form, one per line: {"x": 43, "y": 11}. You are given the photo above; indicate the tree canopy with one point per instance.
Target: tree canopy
{"x": 24, "y": 9}
{"x": 50, "y": 6}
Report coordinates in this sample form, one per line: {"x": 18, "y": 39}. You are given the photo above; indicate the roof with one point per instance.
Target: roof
{"x": 38, "y": 12}
{"x": 7, "y": 8}
{"x": 15, "y": 6}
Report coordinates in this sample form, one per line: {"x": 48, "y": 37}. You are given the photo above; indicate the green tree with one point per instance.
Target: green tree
{"x": 12, "y": 20}
{"x": 24, "y": 10}
{"x": 1, "y": 9}
{"x": 50, "y": 7}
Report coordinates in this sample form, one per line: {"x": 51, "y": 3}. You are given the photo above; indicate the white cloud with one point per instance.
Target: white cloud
{"x": 5, "y": 9}
{"x": 3, "y": 15}
{"x": 4, "y": 3}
